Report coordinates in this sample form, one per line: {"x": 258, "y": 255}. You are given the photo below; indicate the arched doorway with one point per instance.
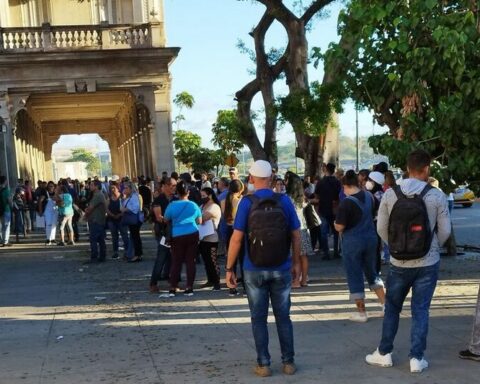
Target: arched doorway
{"x": 81, "y": 156}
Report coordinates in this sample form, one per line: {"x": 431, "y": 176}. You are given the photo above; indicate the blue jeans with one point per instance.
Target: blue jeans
{"x": 161, "y": 268}
{"x": 97, "y": 240}
{"x": 6, "y": 220}
{"x": 325, "y": 228}
{"x": 115, "y": 229}
{"x": 274, "y": 286}
{"x": 422, "y": 281}
{"x": 359, "y": 258}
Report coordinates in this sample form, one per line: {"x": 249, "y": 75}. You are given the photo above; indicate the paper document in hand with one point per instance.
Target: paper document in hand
{"x": 163, "y": 241}
{"x": 206, "y": 229}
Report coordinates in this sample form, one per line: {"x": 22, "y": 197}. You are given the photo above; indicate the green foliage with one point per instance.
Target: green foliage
{"x": 182, "y": 100}
{"x": 206, "y": 159}
{"x": 81, "y": 154}
{"x": 189, "y": 151}
{"x": 226, "y": 131}
{"x": 186, "y": 145}
{"x": 415, "y": 65}
{"x": 310, "y": 110}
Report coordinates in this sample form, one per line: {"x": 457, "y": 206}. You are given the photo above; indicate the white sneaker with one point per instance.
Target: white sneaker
{"x": 359, "y": 317}
{"x": 380, "y": 360}
{"x": 417, "y": 366}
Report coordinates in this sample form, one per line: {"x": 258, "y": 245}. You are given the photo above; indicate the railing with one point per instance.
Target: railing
{"x": 80, "y": 37}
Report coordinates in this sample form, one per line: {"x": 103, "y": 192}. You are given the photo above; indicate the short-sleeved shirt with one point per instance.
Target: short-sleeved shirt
{"x": 350, "y": 214}
{"x": 241, "y": 224}
{"x": 216, "y": 212}
{"x": 183, "y": 214}
{"x": 67, "y": 209}
{"x": 99, "y": 205}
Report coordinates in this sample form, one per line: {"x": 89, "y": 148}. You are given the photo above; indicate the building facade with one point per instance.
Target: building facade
{"x": 91, "y": 66}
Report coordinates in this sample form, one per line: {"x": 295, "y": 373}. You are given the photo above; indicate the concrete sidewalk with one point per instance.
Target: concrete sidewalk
{"x": 62, "y": 322}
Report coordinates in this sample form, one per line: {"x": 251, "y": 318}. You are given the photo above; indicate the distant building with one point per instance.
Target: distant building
{"x": 74, "y": 170}
{"x": 76, "y": 67}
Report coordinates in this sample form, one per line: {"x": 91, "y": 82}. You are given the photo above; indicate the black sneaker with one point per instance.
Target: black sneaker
{"x": 188, "y": 292}
{"x": 232, "y": 292}
{"x": 171, "y": 292}
{"x": 216, "y": 287}
{"x": 61, "y": 244}
{"x": 466, "y": 354}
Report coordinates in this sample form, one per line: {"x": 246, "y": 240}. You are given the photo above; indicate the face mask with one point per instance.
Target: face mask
{"x": 369, "y": 185}
{"x": 205, "y": 200}
{"x": 251, "y": 188}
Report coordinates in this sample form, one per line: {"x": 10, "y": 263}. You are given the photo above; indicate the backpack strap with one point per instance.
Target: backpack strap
{"x": 398, "y": 191}
{"x": 427, "y": 188}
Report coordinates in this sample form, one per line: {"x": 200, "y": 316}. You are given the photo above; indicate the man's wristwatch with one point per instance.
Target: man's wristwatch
{"x": 228, "y": 269}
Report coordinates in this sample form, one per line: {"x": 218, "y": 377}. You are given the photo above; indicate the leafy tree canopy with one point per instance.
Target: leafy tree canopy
{"x": 182, "y": 100}
{"x": 415, "y": 65}
{"x": 186, "y": 144}
{"x": 81, "y": 154}
{"x": 227, "y": 131}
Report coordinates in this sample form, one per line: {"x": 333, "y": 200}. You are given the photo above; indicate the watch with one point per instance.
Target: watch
{"x": 228, "y": 269}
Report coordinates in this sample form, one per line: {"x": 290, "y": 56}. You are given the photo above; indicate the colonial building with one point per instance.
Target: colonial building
{"x": 91, "y": 66}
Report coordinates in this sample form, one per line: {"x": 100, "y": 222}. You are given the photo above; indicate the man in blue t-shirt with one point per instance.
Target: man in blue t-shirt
{"x": 264, "y": 283}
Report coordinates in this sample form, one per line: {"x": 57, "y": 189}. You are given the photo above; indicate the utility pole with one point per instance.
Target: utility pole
{"x": 356, "y": 130}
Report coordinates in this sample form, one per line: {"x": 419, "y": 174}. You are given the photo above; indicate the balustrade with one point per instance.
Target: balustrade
{"x": 80, "y": 37}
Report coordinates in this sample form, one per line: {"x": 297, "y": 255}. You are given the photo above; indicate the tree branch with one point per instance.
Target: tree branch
{"x": 314, "y": 8}
{"x": 279, "y": 11}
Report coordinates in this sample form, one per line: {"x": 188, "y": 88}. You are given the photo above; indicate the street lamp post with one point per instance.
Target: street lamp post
{"x": 4, "y": 132}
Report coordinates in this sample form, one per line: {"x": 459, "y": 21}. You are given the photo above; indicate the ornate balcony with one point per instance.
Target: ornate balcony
{"x": 48, "y": 38}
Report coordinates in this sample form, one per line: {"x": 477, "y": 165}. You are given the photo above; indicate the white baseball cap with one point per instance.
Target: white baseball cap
{"x": 261, "y": 168}
{"x": 377, "y": 177}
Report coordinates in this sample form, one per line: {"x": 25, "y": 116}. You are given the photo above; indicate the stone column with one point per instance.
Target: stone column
{"x": 115, "y": 155}
{"x": 4, "y": 13}
{"x": 110, "y": 12}
{"x": 103, "y": 11}
{"x": 162, "y": 141}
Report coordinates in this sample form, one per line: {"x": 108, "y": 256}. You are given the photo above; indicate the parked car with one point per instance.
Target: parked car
{"x": 463, "y": 196}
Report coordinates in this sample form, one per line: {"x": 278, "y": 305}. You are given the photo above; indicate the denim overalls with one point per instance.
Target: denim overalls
{"x": 359, "y": 246}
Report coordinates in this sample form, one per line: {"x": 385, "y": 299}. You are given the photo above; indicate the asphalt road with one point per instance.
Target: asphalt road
{"x": 466, "y": 224}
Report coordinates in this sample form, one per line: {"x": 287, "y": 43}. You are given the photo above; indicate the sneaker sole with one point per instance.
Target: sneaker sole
{"x": 473, "y": 358}
{"x": 418, "y": 371}
{"x": 379, "y": 364}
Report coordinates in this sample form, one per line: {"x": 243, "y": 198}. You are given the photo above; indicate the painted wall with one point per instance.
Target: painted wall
{"x": 70, "y": 12}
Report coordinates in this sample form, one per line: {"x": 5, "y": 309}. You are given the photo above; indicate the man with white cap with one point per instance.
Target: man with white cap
{"x": 268, "y": 263}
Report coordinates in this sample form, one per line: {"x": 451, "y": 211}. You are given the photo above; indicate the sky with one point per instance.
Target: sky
{"x": 211, "y": 68}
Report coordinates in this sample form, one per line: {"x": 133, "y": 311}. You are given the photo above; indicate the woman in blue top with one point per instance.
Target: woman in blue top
{"x": 184, "y": 217}
{"x": 64, "y": 202}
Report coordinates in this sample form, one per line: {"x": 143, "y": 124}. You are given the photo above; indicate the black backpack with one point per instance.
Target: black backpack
{"x": 269, "y": 235}
{"x": 409, "y": 232}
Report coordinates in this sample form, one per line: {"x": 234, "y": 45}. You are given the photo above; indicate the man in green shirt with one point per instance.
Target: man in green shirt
{"x": 5, "y": 212}
{"x": 95, "y": 214}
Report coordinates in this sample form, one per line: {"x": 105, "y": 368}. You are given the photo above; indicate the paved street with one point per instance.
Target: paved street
{"x": 62, "y": 322}
{"x": 466, "y": 222}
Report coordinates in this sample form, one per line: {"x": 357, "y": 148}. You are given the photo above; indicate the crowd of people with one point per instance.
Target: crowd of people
{"x": 268, "y": 227}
